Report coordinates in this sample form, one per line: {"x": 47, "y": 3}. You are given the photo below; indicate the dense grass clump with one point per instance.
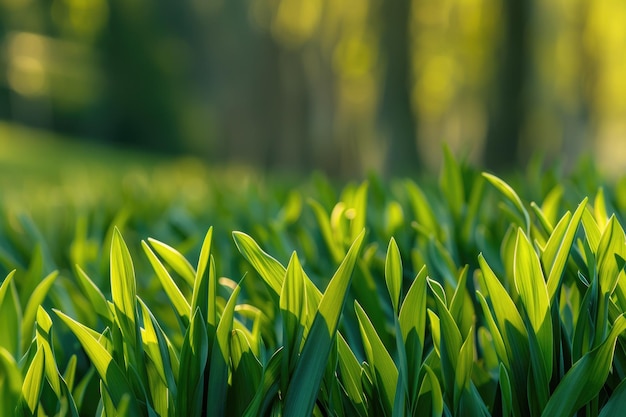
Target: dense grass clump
{"x": 170, "y": 291}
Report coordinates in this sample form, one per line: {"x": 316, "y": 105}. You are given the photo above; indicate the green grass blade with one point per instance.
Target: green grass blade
{"x": 558, "y": 248}
{"x": 33, "y": 383}
{"x": 430, "y": 396}
{"x": 302, "y": 394}
{"x": 412, "y": 321}
{"x": 586, "y": 378}
{"x": 268, "y": 268}
{"x": 422, "y": 210}
{"x": 612, "y": 243}
{"x": 592, "y": 230}
{"x": 512, "y": 197}
{"x": 12, "y": 382}
{"x": 174, "y": 294}
{"x": 358, "y": 206}
{"x": 326, "y": 228}
{"x": 155, "y": 346}
{"x": 4, "y": 287}
{"x": 268, "y": 388}
{"x": 451, "y": 182}
{"x": 110, "y": 372}
{"x": 506, "y": 392}
{"x": 247, "y": 374}
{"x": 450, "y": 342}
{"x": 393, "y": 273}
{"x": 124, "y": 292}
{"x": 514, "y": 334}
{"x": 43, "y": 335}
{"x": 463, "y": 371}
{"x": 599, "y": 209}
{"x": 175, "y": 260}
{"x": 615, "y": 405}
{"x": 350, "y": 370}
{"x": 220, "y": 359}
{"x": 94, "y": 295}
{"x": 531, "y": 286}
{"x": 193, "y": 360}
{"x": 384, "y": 371}
{"x": 30, "y": 312}
{"x": 202, "y": 291}
{"x": 293, "y": 309}
{"x": 496, "y": 336}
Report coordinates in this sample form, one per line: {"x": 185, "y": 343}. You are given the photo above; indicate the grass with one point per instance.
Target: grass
{"x": 174, "y": 291}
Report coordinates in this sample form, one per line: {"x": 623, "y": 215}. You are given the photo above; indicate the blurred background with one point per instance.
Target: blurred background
{"x": 342, "y": 86}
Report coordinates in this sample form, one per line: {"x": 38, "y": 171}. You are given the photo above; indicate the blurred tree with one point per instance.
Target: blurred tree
{"x": 141, "y": 96}
{"x": 508, "y": 108}
{"x": 397, "y": 115}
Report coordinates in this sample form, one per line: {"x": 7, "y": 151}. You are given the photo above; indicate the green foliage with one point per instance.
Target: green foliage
{"x": 452, "y": 309}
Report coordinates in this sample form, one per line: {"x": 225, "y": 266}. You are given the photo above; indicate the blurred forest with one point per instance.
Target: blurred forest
{"x": 344, "y": 86}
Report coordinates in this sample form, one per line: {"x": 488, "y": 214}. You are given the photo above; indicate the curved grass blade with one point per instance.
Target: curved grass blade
{"x": 269, "y": 268}
{"x": 33, "y": 384}
{"x": 155, "y": 346}
{"x": 586, "y": 378}
{"x": 615, "y": 404}
{"x": 4, "y": 287}
{"x": 450, "y": 342}
{"x": 384, "y": 371}
{"x": 430, "y": 396}
{"x": 174, "y": 294}
{"x": 511, "y": 196}
{"x": 558, "y": 248}
{"x": 268, "y": 388}
{"x": 513, "y": 331}
{"x": 30, "y": 312}
{"x": 95, "y": 296}
{"x": 175, "y": 259}
{"x": 350, "y": 370}
{"x": 111, "y": 374}
{"x": 307, "y": 376}
{"x": 43, "y": 335}
{"x": 246, "y": 376}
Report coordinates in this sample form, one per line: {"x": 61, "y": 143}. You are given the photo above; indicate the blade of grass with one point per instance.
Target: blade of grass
{"x": 110, "y": 372}
{"x": 510, "y": 194}
{"x": 193, "y": 360}
{"x": 30, "y": 312}
{"x": 176, "y": 260}
{"x": 220, "y": 359}
{"x": 33, "y": 384}
{"x": 301, "y": 395}
{"x": 393, "y": 273}
{"x": 174, "y": 294}
{"x": 558, "y": 248}
{"x": 586, "y": 378}
{"x": 531, "y": 286}
{"x": 384, "y": 371}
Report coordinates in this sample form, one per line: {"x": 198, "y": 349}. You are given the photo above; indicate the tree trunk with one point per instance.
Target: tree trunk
{"x": 397, "y": 116}
{"x": 508, "y": 107}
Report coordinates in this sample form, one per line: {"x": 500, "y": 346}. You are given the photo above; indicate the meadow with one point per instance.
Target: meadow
{"x": 134, "y": 285}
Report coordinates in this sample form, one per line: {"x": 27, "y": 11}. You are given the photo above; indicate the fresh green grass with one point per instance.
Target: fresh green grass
{"x": 174, "y": 290}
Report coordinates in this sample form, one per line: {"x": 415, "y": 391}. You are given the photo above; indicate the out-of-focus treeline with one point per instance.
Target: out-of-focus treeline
{"x": 340, "y": 85}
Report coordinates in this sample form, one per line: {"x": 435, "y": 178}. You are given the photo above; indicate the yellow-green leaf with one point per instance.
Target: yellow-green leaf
{"x": 393, "y": 273}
